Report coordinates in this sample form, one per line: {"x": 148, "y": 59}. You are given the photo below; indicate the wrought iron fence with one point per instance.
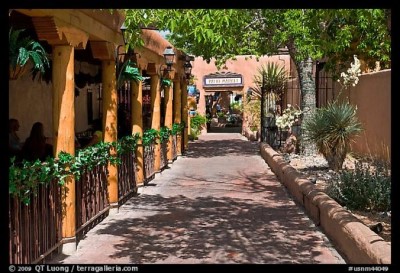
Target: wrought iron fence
{"x": 148, "y": 160}
{"x": 173, "y": 147}
{"x": 35, "y": 229}
{"x": 164, "y": 155}
{"x": 126, "y": 177}
{"x": 92, "y": 203}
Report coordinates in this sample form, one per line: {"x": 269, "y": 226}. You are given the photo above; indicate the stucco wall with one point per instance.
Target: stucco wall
{"x": 31, "y": 101}
{"x": 244, "y": 65}
{"x": 372, "y": 95}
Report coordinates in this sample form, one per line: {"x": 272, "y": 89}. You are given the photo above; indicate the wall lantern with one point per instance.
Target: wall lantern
{"x": 130, "y": 54}
{"x": 123, "y": 29}
{"x": 169, "y": 56}
{"x": 129, "y": 57}
{"x": 249, "y": 92}
{"x": 188, "y": 69}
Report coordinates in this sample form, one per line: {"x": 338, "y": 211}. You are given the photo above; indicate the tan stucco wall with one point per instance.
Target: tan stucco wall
{"x": 247, "y": 68}
{"x": 372, "y": 95}
{"x": 31, "y": 101}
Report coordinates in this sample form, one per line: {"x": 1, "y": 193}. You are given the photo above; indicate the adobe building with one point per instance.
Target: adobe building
{"x": 86, "y": 49}
{"x": 232, "y": 82}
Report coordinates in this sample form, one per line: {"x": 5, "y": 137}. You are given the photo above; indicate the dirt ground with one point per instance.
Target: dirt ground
{"x": 318, "y": 174}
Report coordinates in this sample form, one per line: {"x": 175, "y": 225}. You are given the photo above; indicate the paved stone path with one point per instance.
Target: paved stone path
{"x": 218, "y": 204}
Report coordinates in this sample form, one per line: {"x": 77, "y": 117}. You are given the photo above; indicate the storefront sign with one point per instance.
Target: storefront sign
{"x": 220, "y": 81}
{"x": 223, "y": 79}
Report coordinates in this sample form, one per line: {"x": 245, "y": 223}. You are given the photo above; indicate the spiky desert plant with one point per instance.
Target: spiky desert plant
{"x": 272, "y": 77}
{"x": 332, "y": 129}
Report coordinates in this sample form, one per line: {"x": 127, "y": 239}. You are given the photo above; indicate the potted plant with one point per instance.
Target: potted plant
{"x": 221, "y": 117}
{"x": 22, "y": 49}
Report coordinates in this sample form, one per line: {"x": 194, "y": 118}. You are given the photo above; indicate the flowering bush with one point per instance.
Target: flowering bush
{"x": 351, "y": 77}
{"x": 289, "y": 116}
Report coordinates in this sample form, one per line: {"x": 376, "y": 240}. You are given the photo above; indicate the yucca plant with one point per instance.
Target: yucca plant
{"x": 272, "y": 76}
{"x": 273, "y": 79}
{"x": 22, "y": 49}
{"x": 332, "y": 129}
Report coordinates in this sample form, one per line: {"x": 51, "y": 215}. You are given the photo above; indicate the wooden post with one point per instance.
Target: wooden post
{"x": 110, "y": 126}
{"x": 185, "y": 114}
{"x": 168, "y": 119}
{"x": 137, "y": 127}
{"x": 177, "y": 112}
{"x": 156, "y": 116}
{"x": 64, "y": 134}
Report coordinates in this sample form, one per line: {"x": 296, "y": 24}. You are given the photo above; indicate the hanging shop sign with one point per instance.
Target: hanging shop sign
{"x": 223, "y": 79}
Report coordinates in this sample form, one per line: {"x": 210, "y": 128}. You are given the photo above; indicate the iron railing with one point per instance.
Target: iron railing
{"x": 35, "y": 229}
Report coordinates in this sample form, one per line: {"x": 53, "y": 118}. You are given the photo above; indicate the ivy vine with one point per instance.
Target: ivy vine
{"x": 177, "y": 128}
{"x": 149, "y": 137}
{"x": 25, "y": 177}
{"x": 164, "y": 134}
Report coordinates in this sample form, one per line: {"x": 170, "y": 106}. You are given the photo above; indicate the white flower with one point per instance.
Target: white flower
{"x": 351, "y": 77}
{"x": 289, "y": 116}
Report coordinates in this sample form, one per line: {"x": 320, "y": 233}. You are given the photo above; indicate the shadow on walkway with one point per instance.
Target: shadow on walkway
{"x": 218, "y": 204}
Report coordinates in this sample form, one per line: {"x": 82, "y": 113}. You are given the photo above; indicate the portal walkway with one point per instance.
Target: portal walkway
{"x": 218, "y": 204}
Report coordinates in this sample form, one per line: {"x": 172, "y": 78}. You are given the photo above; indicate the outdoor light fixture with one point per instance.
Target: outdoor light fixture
{"x": 188, "y": 69}
{"x": 169, "y": 56}
{"x": 129, "y": 55}
{"x": 249, "y": 92}
{"x": 123, "y": 29}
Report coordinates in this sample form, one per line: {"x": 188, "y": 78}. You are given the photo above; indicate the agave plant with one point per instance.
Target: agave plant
{"x": 22, "y": 49}
{"x": 332, "y": 129}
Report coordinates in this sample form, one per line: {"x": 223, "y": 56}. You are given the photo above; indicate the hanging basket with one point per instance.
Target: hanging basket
{"x": 17, "y": 71}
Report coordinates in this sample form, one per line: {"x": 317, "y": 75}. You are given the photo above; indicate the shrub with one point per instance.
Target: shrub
{"x": 367, "y": 187}
{"x": 253, "y": 113}
{"x": 196, "y": 123}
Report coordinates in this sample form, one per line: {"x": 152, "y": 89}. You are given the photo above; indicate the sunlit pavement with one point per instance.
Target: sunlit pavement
{"x": 217, "y": 204}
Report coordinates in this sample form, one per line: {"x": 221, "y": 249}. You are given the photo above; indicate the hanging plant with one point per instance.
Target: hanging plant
{"x": 166, "y": 82}
{"x": 129, "y": 72}
{"x": 23, "y": 49}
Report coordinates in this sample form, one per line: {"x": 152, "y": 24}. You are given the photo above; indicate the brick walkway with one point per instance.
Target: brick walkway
{"x": 217, "y": 204}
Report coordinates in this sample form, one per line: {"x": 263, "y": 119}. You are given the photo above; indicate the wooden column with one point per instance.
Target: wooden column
{"x": 64, "y": 133}
{"x": 177, "y": 112}
{"x": 110, "y": 124}
{"x": 168, "y": 95}
{"x": 137, "y": 127}
{"x": 185, "y": 114}
{"x": 156, "y": 116}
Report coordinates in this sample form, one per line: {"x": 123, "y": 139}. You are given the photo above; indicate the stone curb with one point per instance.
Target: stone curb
{"x": 357, "y": 242}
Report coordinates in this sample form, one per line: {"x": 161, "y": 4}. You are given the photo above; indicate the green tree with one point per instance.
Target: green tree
{"x": 308, "y": 34}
